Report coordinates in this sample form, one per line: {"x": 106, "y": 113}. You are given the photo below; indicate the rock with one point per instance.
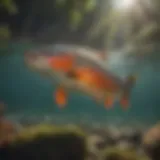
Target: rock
{"x": 151, "y": 142}
{"x": 46, "y": 146}
{"x": 136, "y": 138}
{"x": 124, "y": 145}
{"x": 117, "y": 154}
{"x": 114, "y": 132}
{"x": 7, "y": 131}
{"x": 92, "y": 142}
{"x": 131, "y": 139}
{"x": 92, "y": 156}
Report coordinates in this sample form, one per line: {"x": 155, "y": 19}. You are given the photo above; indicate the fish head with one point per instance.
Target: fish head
{"x": 45, "y": 61}
{"x": 37, "y": 61}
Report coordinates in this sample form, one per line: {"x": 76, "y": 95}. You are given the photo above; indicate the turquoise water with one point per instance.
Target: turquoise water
{"x": 27, "y": 93}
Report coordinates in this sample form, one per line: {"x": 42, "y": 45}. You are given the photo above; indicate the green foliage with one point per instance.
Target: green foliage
{"x": 76, "y": 10}
{"x": 75, "y": 18}
{"x": 89, "y": 5}
{"x": 117, "y": 154}
{"x": 4, "y": 32}
{"x": 60, "y": 3}
{"x": 5, "y": 35}
{"x": 9, "y": 5}
{"x": 86, "y": 5}
{"x": 30, "y": 133}
{"x": 46, "y": 141}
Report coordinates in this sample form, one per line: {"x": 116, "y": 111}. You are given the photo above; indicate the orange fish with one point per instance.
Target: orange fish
{"x": 103, "y": 87}
{"x": 85, "y": 76}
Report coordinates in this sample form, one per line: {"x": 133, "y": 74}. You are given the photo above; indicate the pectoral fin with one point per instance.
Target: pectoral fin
{"x": 109, "y": 101}
{"x": 61, "y": 97}
{"x": 124, "y": 101}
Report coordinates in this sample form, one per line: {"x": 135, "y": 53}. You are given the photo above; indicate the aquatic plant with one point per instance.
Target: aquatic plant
{"x": 45, "y": 142}
{"x": 151, "y": 142}
{"x": 76, "y": 10}
{"x": 31, "y": 132}
{"x": 11, "y": 8}
{"x": 114, "y": 153}
{"x": 9, "y": 5}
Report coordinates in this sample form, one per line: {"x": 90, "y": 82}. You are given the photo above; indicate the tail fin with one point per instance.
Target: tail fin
{"x": 124, "y": 101}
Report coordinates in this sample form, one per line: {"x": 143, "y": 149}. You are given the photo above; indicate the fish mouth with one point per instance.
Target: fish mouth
{"x": 37, "y": 61}
{"x": 31, "y": 57}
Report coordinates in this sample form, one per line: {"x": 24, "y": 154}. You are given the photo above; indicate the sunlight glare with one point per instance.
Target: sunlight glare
{"x": 124, "y": 4}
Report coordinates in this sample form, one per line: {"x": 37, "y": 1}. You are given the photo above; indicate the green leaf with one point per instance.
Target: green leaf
{"x": 76, "y": 18}
{"x": 89, "y": 5}
{"x": 5, "y": 32}
{"x": 10, "y": 6}
{"x": 60, "y": 3}
{"x": 4, "y": 38}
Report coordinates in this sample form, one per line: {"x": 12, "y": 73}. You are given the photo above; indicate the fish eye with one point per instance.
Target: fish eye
{"x": 71, "y": 74}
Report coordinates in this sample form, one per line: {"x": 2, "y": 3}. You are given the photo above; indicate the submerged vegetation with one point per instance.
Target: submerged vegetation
{"x": 137, "y": 32}
{"x": 11, "y": 8}
{"x": 75, "y": 10}
{"x": 118, "y": 154}
{"x": 30, "y": 133}
{"x": 48, "y": 141}
{"x": 9, "y": 5}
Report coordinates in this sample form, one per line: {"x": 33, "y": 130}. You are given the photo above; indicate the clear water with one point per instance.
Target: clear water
{"x": 28, "y": 94}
